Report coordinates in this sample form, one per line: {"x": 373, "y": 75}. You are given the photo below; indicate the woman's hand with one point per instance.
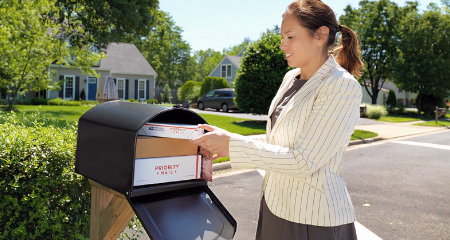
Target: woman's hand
{"x": 216, "y": 141}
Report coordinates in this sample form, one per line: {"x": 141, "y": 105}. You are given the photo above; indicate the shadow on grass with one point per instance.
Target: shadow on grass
{"x": 255, "y": 124}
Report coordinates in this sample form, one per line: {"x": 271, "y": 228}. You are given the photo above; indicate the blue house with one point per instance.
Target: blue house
{"x": 227, "y": 67}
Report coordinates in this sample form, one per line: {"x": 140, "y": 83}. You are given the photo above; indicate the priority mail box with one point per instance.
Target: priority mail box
{"x": 166, "y": 169}
{"x": 109, "y": 152}
{"x": 182, "y": 131}
{"x": 155, "y": 147}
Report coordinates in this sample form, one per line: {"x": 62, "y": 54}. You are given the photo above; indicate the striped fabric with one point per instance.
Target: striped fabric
{"x": 303, "y": 152}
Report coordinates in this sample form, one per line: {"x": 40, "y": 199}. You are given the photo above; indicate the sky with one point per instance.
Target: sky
{"x": 219, "y": 24}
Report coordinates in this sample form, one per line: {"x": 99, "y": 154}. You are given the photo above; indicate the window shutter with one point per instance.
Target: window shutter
{"x": 61, "y": 92}
{"x": 147, "y": 90}
{"x": 115, "y": 83}
{"x": 136, "y": 86}
{"x": 126, "y": 88}
{"x": 77, "y": 87}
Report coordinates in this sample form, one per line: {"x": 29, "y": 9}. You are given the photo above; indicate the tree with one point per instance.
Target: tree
{"x": 392, "y": 99}
{"x": 377, "y": 24}
{"x": 26, "y": 49}
{"x": 100, "y": 22}
{"x": 207, "y": 60}
{"x": 260, "y": 74}
{"x": 190, "y": 91}
{"x": 167, "y": 52}
{"x": 211, "y": 83}
{"x": 423, "y": 64}
{"x": 166, "y": 95}
{"x": 235, "y": 49}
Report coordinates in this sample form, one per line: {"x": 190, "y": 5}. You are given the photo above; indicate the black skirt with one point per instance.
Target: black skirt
{"x": 271, "y": 227}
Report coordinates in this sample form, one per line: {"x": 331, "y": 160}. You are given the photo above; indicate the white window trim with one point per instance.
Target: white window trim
{"x": 73, "y": 88}
{"x": 124, "y": 87}
{"x": 231, "y": 74}
{"x": 145, "y": 88}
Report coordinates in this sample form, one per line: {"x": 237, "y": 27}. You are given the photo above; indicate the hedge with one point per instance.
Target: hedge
{"x": 62, "y": 102}
{"x": 211, "y": 83}
{"x": 189, "y": 91}
{"x": 41, "y": 197}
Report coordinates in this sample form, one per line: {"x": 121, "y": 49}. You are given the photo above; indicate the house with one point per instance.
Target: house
{"x": 227, "y": 67}
{"x": 407, "y": 99}
{"x": 133, "y": 75}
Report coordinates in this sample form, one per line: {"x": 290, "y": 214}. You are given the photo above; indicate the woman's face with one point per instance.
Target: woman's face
{"x": 297, "y": 43}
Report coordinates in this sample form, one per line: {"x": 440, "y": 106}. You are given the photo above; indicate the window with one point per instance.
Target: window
{"x": 121, "y": 87}
{"x": 141, "y": 89}
{"x": 69, "y": 86}
{"x": 226, "y": 71}
{"x": 210, "y": 94}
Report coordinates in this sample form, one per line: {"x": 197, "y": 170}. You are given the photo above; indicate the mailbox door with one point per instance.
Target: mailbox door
{"x": 184, "y": 214}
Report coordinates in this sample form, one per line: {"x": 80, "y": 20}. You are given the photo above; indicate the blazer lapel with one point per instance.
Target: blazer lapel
{"x": 309, "y": 86}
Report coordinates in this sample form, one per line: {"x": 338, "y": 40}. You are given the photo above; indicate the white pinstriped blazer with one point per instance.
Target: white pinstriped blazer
{"x": 302, "y": 154}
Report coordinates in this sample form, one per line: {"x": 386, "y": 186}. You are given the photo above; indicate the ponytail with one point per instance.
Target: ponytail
{"x": 347, "y": 52}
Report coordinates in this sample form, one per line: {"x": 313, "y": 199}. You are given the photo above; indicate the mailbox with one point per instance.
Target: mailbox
{"x": 106, "y": 150}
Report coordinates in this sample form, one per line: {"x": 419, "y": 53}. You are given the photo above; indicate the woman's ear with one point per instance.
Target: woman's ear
{"x": 322, "y": 35}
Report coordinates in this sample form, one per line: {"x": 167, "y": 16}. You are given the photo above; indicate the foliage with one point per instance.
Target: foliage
{"x": 207, "y": 60}
{"x": 136, "y": 229}
{"x": 39, "y": 101}
{"x": 27, "y": 48}
{"x": 89, "y": 102}
{"x": 102, "y": 22}
{"x": 190, "y": 91}
{"x": 133, "y": 100}
{"x": 442, "y": 123}
{"x": 361, "y": 134}
{"x": 151, "y": 101}
{"x": 63, "y": 102}
{"x": 166, "y": 95}
{"x": 167, "y": 52}
{"x": 376, "y": 111}
{"x": 392, "y": 99}
{"x": 423, "y": 62}
{"x": 236, "y": 49}
{"x": 41, "y": 195}
{"x": 260, "y": 74}
{"x": 377, "y": 24}
{"x": 211, "y": 83}
{"x": 83, "y": 95}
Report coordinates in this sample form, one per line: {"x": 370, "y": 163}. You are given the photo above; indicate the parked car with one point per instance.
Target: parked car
{"x": 218, "y": 99}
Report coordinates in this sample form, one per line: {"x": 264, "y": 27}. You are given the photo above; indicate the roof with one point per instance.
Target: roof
{"x": 125, "y": 58}
{"x": 236, "y": 61}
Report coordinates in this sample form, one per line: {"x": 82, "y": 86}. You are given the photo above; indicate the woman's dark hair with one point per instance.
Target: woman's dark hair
{"x": 313, "y": 14}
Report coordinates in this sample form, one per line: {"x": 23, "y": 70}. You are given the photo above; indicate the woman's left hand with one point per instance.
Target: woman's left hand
{"x": 216, "y": 141}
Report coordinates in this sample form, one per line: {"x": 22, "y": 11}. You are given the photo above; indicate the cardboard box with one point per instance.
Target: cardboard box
{"x": 155, "y": 147}
{"x": 168, "y": 130}
{"x": 166, "y": 169}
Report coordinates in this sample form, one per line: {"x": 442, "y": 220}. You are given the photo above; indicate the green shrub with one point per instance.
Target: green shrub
{"x": 429, "y": 103}
{"x": 166, "y": 95}
{"x": 151, "y": 101}
{"x": 133, "y": 100}
{"x": 190, "y": 91}
{"x": 62, "y": 102}
{"x": 260, "y": 74}
{"x": 392, "y": 99}
{"x": 41, "y": 196}
{"x": 89, "y": 102}
{"x": 39, "y": 101}
{"x": 83, "y": 95}
{"x": 376, "y": 111}
{"x": 211, "y": 83}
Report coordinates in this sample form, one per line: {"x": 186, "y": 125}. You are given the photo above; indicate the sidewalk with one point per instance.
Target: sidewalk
{"x": 384, "y": 130}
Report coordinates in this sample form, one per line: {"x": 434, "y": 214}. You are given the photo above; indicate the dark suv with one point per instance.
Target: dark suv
{"x": 218, "y": 99}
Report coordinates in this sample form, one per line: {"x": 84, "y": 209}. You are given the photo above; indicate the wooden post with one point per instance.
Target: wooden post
{"x": 110, "y": 212}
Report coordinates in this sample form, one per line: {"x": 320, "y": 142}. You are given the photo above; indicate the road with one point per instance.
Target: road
{"x": 405, "y": 182}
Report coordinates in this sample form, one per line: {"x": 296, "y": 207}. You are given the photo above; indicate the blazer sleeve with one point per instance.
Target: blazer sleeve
{"x": 329, "y": 126}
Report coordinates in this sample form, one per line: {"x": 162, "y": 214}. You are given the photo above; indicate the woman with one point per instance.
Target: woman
{"x": 310, "y": 123}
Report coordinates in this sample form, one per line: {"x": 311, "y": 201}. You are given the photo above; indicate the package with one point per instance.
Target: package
{"x": 166, "y": 169}
{"x": 169, "y": 130}
{"x": 155, "y": 147}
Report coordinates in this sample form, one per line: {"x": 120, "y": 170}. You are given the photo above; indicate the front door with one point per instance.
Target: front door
{"x": 92, "y": 85}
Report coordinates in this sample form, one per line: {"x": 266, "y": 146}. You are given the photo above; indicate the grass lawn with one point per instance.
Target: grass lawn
{"x": 409, "y": 116}
{"x": 361, "y": 134}
{"x": 234, "y": 125}
{"x": 440, "y": 123}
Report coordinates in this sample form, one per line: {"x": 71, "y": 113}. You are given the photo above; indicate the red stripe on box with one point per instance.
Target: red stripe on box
{"x": 171, "y": 126}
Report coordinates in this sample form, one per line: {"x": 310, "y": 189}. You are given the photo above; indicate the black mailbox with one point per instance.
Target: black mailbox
{"x": 106, "y": 147}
